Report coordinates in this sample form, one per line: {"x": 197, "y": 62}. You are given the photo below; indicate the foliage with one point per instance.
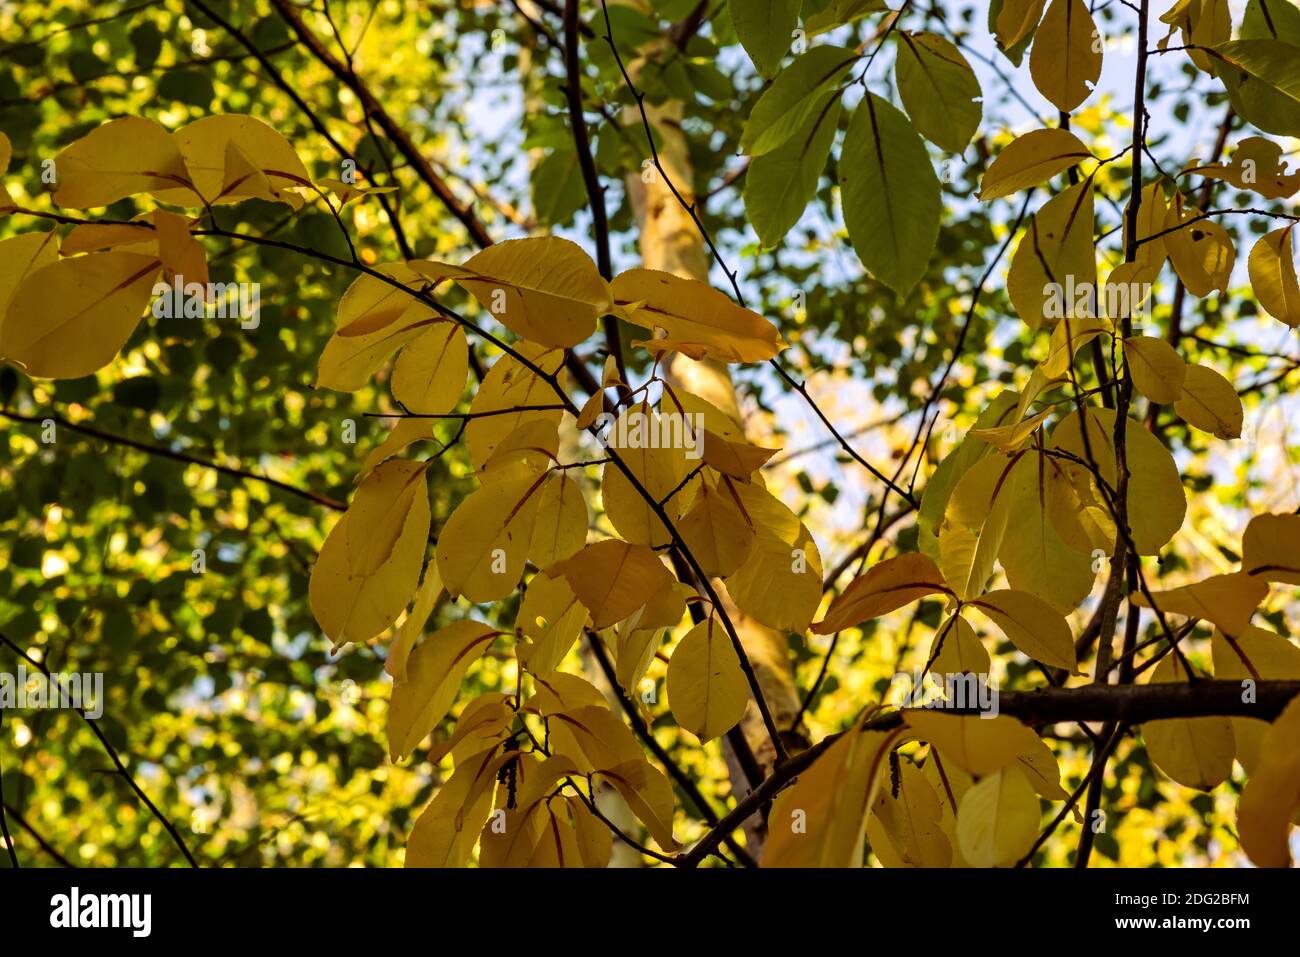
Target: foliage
{"x": 268, "y": 262}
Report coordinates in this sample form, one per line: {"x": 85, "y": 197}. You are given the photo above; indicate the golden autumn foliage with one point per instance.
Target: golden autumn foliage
{"x": 635, "y": 525}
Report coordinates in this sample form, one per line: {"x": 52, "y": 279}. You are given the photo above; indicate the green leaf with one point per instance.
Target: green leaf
{"x": 558, "y": 191}
{"x": 939, "y": 90}
{"x": 188, "y": 86}
{"x": 766, "y": 29}
{"x": 779, "y": 184}
{"x": 822, "y": 15}
{"x": 796, "y": 98}
{"x": 890, "y": 194}
{"x": 147, "y": 41}
{"x": 1262, "y": 77}
{"x": 1030, "y": 10}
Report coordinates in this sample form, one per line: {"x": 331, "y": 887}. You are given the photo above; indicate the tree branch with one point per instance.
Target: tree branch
{"x": 692, "y": 210}
{"x": 371, "y": 104}
{"x": 642, "y": 731}
{"x": 167, "y": 453}
{"x": 39, "y": 838}
{"x": 114, "y": 757}
{"x": 590, "y": 177}
{"x": 1131, "y": 704}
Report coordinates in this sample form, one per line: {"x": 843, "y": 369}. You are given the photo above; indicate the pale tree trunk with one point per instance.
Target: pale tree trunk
{"x": 670, "y": 241}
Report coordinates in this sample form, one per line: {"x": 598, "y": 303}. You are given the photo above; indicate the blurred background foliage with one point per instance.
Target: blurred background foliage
{"x": 221, "y": 694}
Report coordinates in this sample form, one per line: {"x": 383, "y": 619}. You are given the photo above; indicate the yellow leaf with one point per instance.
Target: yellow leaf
{"x": 590, "y": 411}
{"x": 429, "y": 374}
{"x": 957, "y": 650}
{"x": 1040, "y": 767}
{"x": 780, "y": 582}
{"x": 1066, "y": 59}
{"x": 723, "y": 424}
{"x": 1078, "y": 512}
{"x": 716, "y": 532}
{"x": 404, "y": 432}
{"x": 1055, "y": 263}
{"x": 365, "y": 575}
{"x": 1203, "y": 24}
{"x": 1202, "y": 252}
{"x": 949, "y": 786}
{"x": 821, "y": 820}
{"x": 1255, "y": 653}
{"x": 242, "y": 179}
{"x": 563, "y": 692}
{"x": 119, "y": 159}
{"x": 1272, "y": 795}
{"x": 20, "y": 256}
{"x": 1195, "y": 752}
{"x": 484, "y": 544}
{"x": 887, "y": 586}
{"x": 1157, "y": 502}
{"x": 1032, "y": 159}
{"x": 1227, "y": 600}
{"x": 908, "y": 823}
{"x": 636, "y": 438}
{"x": 1035, "y": 556}
{"x": 553, "y": 842}
{"x": 233, "y": 157}
{"x": 346, "y": 192}
{"x": 447, "y": 829}
{"x": 649, "y": 795}
{"x": 595, "y": 839}
{"x": 515, "y": 836}
{"x": 1157, "y": 369}
{"x": 977, "y": 744}
{"x": 509, "y": 384}
{"x": 707, "y": 691}
{"x": 975, "y": 524}
{"x": 544, "y": 288}
{"x": 181, "y": 254}
{"x": 93, "y": 237}
{"x": 426, "y": 598}
{"x": 1270, "y": 548}
{"x": 70, "y": 318}
{"x": 1153, "y": 211}
{"x": 997, "y": 819}
{"x": 375, "y": 319}
{"x": 938, "y": 491}
{"x": 1210, "y": 403}
{"x": 664, "y": 609}
{"x": 613, "y": 579}
{"x": 1273, "y": 277}
{"x": 486, "y": 719}
{"x": 1008, "y": 438}
{"x": 694, "y": 312}
{"x": 532, "y": 448}
{"x": 543, "y": 778}
{"x": 560, "y": 528}
{"x": 609, "y": 374}
{"x": 1016, "y": 19}
{"x": 433, "y": 675}
{"x": 1032, "y": 625}
{"x": 6, "y": 154}
{"x": 634, "y": 648}
{"x": 665, "y": 346}
{"x": 552, "y": 618}
{"x": 1256, "y": 165}
{"x": 593, "y": 736}
{"x": 738, "y": 459}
